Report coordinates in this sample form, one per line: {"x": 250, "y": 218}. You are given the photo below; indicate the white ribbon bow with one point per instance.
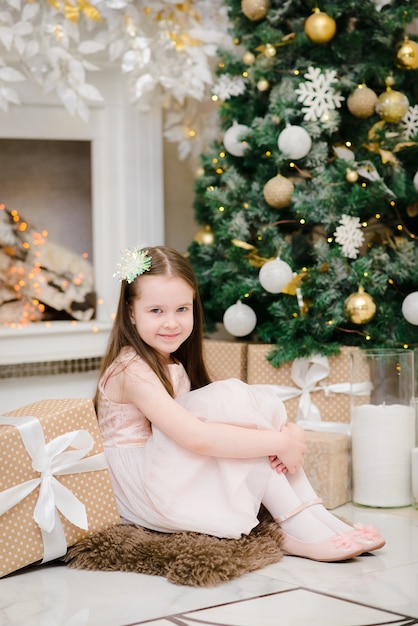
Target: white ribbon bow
{"x": 50, "y": 459}
{"x": 306, "y": 374}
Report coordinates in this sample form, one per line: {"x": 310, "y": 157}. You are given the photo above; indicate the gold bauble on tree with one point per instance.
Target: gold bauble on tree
{"x": 278, "y": 192}
{"x": 407, "y": 54}
{"x": 362, "y": 102}
{"x": 255, "y": 9}
{"x": 263, "y": 84}
{"x": 351, "y": 176}
{"x": 391, "y": 104}
{"x": 359, "y": 307}
{"x": 320, "y": 27}
{"x": 248, "y": 58}
{"x": 205, "y": 237}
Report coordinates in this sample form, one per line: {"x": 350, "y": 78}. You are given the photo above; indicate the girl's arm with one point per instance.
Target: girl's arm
{"x": 210, "y": 439}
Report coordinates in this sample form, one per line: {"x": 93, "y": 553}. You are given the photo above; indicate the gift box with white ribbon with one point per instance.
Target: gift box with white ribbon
{"x": 316, "y": 389}
{"x": 317, "y": 395}
{"x": 55, "y": 486}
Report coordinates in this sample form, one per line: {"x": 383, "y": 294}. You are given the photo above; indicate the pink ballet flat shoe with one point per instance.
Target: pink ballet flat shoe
{"x": 340, "y": 547}
{"x": 368, "y": 537}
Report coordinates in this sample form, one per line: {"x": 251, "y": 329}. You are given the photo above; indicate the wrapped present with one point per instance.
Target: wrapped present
{"x": 225, "y": 359}
{"x": 328, "y": 466}
{"x": 55, "y": 486}
{"x": 313, "y": 389}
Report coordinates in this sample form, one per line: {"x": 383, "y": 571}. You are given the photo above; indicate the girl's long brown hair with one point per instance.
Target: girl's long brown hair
{"x": 168, "y": 262}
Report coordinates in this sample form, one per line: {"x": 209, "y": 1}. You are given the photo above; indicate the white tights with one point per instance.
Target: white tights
{"x": 285, "y": 492}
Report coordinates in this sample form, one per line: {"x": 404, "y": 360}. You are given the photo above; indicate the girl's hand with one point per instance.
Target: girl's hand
{"x": 277, "y": 465}
{"x": 293, "y": 449}
{"x": 295, "y": 430}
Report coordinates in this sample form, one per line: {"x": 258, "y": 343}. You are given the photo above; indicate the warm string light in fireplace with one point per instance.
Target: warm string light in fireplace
{"x": 23, "y": 277}
{"x": 19, "y": 278}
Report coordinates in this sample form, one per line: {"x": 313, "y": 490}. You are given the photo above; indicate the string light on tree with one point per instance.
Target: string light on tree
{"x": 233, "y": 141}
{"x": 294, "y": 141}
{"x": 239, "y": 319}
{"x": 320, "y": 27}
{"x": 275, "y": 275}
{"x": 359, "y": 307}
{"x": 410, "y": 308}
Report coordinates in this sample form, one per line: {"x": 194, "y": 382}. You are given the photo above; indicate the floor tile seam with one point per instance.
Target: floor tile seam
{"x": 334, "y": 596}
{"x": 174, "y": 617}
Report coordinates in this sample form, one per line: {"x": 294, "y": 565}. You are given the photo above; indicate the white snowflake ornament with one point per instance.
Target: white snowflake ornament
{"x": 317, "y": 93}
{"x": 228, "y": 86}
{"x": 349, "y": 236}
{"x": 409, "y": 122}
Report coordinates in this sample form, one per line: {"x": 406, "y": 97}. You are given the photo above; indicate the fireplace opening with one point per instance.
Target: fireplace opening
{"x": 46, "y": 231}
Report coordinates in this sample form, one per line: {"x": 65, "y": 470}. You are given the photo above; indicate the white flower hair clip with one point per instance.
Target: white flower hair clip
{"x": 133, "y": 263}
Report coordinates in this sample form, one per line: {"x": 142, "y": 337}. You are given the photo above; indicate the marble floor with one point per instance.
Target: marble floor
{"x": 379, "y": 588}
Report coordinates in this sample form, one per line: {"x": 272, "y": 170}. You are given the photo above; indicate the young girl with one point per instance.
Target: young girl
{"x": 188, "y": 454}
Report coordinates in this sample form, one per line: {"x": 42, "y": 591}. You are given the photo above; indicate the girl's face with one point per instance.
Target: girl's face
{"x": 163, "y": 312}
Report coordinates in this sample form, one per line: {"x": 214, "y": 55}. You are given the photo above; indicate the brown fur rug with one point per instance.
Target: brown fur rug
{"x": 185, "y": 558}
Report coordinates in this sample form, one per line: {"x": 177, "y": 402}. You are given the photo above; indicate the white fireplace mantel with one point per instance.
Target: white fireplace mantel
{"x": 127, "y": 204}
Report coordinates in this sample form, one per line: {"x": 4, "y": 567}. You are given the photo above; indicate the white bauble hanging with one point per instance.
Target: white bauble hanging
{"x": 410, "y": 308}
{"x": 416, "y": 181}
{"x": 295, "y": 142}
{"x": 232, "y": 139}
{"x": 239, "y": 319}
{"x": 275, "y": 275}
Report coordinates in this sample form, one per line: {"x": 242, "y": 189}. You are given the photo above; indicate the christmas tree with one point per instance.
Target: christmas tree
{"x": 308, "y": 201}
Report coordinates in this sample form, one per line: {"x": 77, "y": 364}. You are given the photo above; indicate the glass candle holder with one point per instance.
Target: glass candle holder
{"x": 382, "y": 427}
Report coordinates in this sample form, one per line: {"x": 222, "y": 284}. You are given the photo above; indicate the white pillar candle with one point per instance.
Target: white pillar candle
{"x": 414, "y": 474}
{"x": 382, "y": 441}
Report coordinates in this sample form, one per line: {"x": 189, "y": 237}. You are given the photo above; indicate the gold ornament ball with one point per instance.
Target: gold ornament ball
{"x": 362, "y": 102}
{"x": 359, "y": 307}
{"x": 351, "y": 176}
{"x": 407, "y": 54}
{"x": 278, "y": 192}
{"x": 248, "y": 58}
{"x": 270, "y": 51}
{"x": 255, "y": 9}
{"x": 205, "y": 237}
{"x": 320, "y": 27}
{"x": 263, "y": 85}
{"x": 392, "y": 105}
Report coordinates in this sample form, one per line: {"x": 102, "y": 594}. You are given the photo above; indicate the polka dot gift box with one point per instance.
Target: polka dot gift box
{"x": 225, "y": 359}
{"x": 55, "y": 487}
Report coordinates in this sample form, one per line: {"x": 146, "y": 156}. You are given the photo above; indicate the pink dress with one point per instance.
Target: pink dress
{"x": 162, "y": 486}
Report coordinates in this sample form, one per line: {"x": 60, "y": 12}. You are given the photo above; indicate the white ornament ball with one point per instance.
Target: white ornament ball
{"x": 239, "y": 319}
{"x": 232, "y": 142}
{"x": 410, "y": 308}
{"x": 275, "y": 275}
{"x": 295, "y": 142}
{"x": 416, "y": 181}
